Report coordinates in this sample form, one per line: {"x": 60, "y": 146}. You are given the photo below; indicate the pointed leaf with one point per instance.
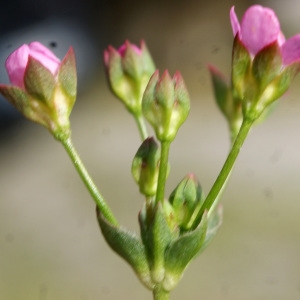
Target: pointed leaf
{"x": 156, "y": 237}
{"x": 128, "y": 246}
{"x": 39, "y": 81}
{"x": 180, "y": 253}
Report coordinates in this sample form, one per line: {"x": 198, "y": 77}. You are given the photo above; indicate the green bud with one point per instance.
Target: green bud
{"x": 166, "y": 104}
{"x": 145, "y": 167}
{"x": 186, "y": 200}
{"x": 128, "y": 70}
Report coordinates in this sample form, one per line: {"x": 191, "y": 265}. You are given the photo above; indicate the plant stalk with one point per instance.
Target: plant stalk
{"x": 89, "y": 183}
{"x": 163, "y": 169}
{"x": 226, "y": 170}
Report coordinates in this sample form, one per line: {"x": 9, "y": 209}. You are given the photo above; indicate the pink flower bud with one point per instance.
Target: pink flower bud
{"x": 260, "y": 28}
{"x": 43, "y": 87}
{"x": 263, "y": 62}
{"x": 16, "y": 63}
{"x": 128, "y": 70}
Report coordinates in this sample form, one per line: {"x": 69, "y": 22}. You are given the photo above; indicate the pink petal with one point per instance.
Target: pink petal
{"x": 15, "y": 65}
{"x": 290, "y": 50}
{"x": 235, "y": 24}
{"x": 44, "y": 56}
{"x": 126, "y": 45}
{"x": 259, "y": 28}
{"x": 281, "y": 39}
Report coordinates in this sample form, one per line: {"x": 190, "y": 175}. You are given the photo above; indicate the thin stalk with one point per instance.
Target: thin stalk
{"x": 226, "y": 170}
{"x": 160, "y": 294}
{"x": 86, "y": 178}
{"x": 163, "y": 169}
{"x": 141, "y": 126}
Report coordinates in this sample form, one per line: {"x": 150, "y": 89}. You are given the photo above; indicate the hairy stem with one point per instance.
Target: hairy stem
{"x": 160, "y": 294}
{"x": 163, "y": 169}
{"x": 226, "y": 170}
{"x": 86, "y": 178}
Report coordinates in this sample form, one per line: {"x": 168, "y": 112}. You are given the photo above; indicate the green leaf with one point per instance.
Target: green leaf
{"x": 156, "y": 236}
{"x": 67, "y": 74}
{"x": 39, "y": 81}
{"x": 129, "y": 246}
{"x": 180, "y": 253}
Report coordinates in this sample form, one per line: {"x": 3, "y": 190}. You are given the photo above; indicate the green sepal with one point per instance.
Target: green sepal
{"x": 185, "y": 198}
{"x": 221, "y": 91}
{"x": 228, "y": 103}
{"x": 181, "y": 252}
{"x": 32, "y": 109}
{"x": 121, "y": 84}
{"x": 149, "y": 65}
{"x": 266, "y": 65}
{"x": 136, "y": 65}
{"x": 281, "y": 83}
{"x": 39, "y": 81}
{"x": 17, "y": 97}
{"x": 156, "y": 236}
{"x": 241, "y": 65}
{"x": 275, "y": 89}
{"x": 67, "y": 76}
{"x": 129, "y": 246}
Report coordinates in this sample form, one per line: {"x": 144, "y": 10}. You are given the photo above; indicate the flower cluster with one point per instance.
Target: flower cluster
{"x": 43, "y": 87}
{"x": 173, "y": 229}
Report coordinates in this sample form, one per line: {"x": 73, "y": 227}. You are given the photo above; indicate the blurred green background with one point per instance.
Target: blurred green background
{"x": 50, "y": 245}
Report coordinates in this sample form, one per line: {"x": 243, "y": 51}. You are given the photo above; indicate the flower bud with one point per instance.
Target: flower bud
{"x": 145, "y": 167}
{"x": 264, "y": 63}
{"x": 186, "y": 200}
{"x": 128, "y": 70}
{"x": 166, "y": 104}
{"x": 43, "y": 87}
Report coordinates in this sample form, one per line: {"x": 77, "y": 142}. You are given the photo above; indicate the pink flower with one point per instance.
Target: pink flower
{"x": 43, "y": 88}
{"x": 16, "y": 63}
{"x": 259, "y": 28}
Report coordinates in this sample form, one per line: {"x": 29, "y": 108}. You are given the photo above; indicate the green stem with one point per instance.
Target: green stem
{"x": 163, "y": 169}
{"x": 226, "y": 170}
{"x": 160, "y": 294}
{"x": 141, "y": 126}
{"x": 86, "y": 178}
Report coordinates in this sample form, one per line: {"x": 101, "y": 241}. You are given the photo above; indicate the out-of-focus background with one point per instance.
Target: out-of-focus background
{"x": 50, "y": 244}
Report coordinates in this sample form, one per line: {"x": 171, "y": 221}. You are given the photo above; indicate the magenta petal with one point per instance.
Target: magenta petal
{"x": 44, "y": 56}
{"x": 290, "y": 50}
{"x": 122, "y": 49}
{"x": 259, "y": 28}
{"x": 235, "y": 24}
{"x": 15, "y": 65}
